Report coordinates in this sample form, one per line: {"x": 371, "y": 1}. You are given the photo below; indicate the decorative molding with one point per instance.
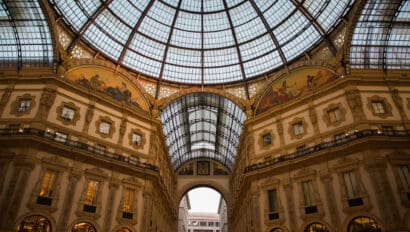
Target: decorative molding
{"x": 107, "y": 120}
{"x": 354, "y": 100}
{"x": 386, "y": 105}
{"x": 46, "y": 101}
{"x": 72, "y": 106}
{"x": 5, "y": 98}
{"x": 330, "y": 107}
{"x": 88, "y": 117}
{"x": 14, "y": 106}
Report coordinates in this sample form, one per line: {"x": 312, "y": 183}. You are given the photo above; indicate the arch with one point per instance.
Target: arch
{"x": 349, "y": 219}
{"x": 287, "y": 86}
{"x": 185, "y": 123}
{"x": 315, "y": 226}
{"x": 79, "y": 225}
{"x": 107, "y": 80}
{"x": 122, "y": 229}
{"x": 363, "y": 224}
{"x": 276, "y": 229}
{"x": 35, "y": 223}
{"x": 200, "y": 182}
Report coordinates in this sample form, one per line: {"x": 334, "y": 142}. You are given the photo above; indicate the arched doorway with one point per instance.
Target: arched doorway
{"x": 363, "y": 224}
{"x": 83, "y": 227}
{"x": 34, "y": 223}
{"x": 202, "y": 209}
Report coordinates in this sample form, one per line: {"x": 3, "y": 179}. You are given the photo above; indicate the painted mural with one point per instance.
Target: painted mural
{"x": 109, "y": 83}
{"x": 296, "y": 84}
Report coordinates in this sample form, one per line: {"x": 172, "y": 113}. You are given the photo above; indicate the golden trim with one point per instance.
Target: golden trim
{"x": 140, "y": 133}
{"x": 291, "y": 130}
{"x": 108, "y": 120}
{"x": 386, "y": 105}
{"x": 72, "y": 106}
{"x": 330, "y": 108}
{"x": 16, "y": 103}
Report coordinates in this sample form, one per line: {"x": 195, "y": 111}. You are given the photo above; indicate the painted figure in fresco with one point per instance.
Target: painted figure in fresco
{"x": 311, "y": 81}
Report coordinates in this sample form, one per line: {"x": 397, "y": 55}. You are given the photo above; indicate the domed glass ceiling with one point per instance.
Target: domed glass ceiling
{"x": 202, "y": 42}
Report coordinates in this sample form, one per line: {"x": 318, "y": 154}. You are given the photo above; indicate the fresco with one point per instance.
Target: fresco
{"x": 109, "y": 83}
{"x": 298, "y": 83}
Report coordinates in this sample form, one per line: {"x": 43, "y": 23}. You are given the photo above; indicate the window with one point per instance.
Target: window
{"x": 360, "y": 224}
{"x": 47, "y": 184}
{"x": 105, "y": 127}
{"x": 378, "y": 107}
{"x": 24, "y": 105}
{"x": 404, "y": 176}
{"x": 67, "y": 113}
{"x": 91, "y": 193}
{"x": 211, "y": 224}
{"x": 316, "y": 227}
{"x": 136, "y": 139}
{"x": 351, "y": 184}
{"x": 216, "y": 223}
{"x": 266, "y": 140}
{"x": 308, "y": 193}
{"x": 35, "y": 223}
{"x": 334, "y": 115}
{"x": 60, "y": 137}
{"x": 128, "y": 200}
{"x": 272, "y": 200}
{"x": 83, "y": 226}
{"x": 298, "y": 128}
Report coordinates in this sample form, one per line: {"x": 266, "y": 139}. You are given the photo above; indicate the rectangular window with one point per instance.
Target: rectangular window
{"x": 334, "y": 115}
{"x": 60, "y": 137}
{"x": 298, "y": 128}
{"x": 136, "y": 139}
{"x": 105, "y": 127}
{"x": 378, "y": 107}
{"x": 128, "y": 200}
{"x": 24, "y": 105}
{"x": 91, "y": 193}
{"x": 67, "y": 113}
{"x": 272, "y": 200}
{"x": 404, "y": 176}
{"x": 351, "y": 185}
{"x": 308, "y": 193}
{"x": 47, "y": 184}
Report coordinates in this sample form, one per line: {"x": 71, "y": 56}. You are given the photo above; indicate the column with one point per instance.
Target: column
{"x": 330, "y": 200}
{"x": 73, "y": 179}
{"x": 291, "y": 207}
{"x": 112, "y": 189}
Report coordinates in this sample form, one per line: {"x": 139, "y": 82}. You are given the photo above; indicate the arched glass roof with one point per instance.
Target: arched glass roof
{"x": 25, "y": 39}
{"x": 202, "y": 42}
{"x": 381, "y": 37}
{"x": 202, "y": 125}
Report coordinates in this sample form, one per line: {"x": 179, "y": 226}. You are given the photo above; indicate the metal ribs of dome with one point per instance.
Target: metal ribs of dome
{"x": 202, "y": 125}
{"x": 202, "y": 42}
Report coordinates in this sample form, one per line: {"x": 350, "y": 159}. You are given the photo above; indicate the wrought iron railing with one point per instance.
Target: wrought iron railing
{"x": 334, "y": 143}
{"x": 51, "y": 137}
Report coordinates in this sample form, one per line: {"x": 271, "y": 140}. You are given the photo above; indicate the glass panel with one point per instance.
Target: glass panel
{"x": 272, "y": 200}
{"x": 308, "y": 193}
{"x": 83, "y": 227}
{"x": 364, "y": 224}
{"x": 202, "y": 43}
{"x": 128, "y": 200}
{"x": 351, "y": 185}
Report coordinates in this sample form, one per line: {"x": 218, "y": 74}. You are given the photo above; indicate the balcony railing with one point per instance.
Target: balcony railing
{"x": 334, "y": 143}
{"x": 51, "y": 137}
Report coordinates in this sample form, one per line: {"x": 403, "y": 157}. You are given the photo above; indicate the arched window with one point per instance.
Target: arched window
{"x": 276, "y": 230}
{"x": 316, "y": 227}
{"x": 83, "y": 227}
{"x": 363, "y": 224}
{"x": 35, "y": 223}
{"x": 123, "y": 229}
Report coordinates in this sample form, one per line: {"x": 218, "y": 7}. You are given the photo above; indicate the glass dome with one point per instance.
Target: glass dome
{"x": 202, "y": 42}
